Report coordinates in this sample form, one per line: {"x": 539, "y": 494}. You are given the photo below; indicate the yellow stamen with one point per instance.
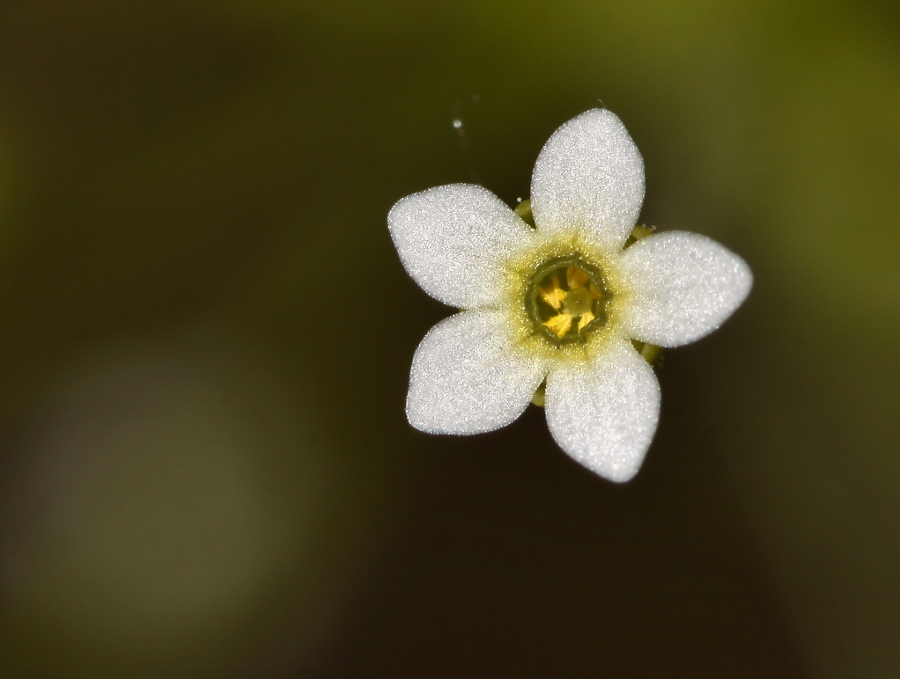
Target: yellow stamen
{"x": 552, "y": 294}
{"x": 576, "y": 277}
{"x": 586, "y": 318}
{"x": 595, "y": 293}
{"x": 560, "y": 324}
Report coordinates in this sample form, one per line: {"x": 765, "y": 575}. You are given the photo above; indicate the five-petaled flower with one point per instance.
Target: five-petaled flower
{"x": 558, "y": 303}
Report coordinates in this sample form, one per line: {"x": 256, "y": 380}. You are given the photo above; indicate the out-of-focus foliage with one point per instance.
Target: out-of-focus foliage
{"x": 204, "y": 465}
{"x": 5, "y": 184}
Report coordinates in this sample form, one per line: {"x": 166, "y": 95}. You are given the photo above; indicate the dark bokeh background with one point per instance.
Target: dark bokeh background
{"x": 205, "y": 470}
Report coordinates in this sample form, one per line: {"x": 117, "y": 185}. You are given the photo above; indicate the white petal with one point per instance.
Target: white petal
{"x": 589, "y": 177}
{"x": 453, "y": 240}
{"x": 684, "y": 286}
{"x": 467, "y": 379}
{"x": 603, "y": 411}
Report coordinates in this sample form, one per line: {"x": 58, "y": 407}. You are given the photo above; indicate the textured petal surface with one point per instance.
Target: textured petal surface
{"x": 589, "y": 176}
{"x": 603, "y": 412}
{"x": 466, "y": 379}
{"x": 453, "y": 240}
{"x": 684, "y": 286}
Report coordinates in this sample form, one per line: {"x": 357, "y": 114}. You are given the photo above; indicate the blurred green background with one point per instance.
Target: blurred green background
{"x": 205, "y": 470}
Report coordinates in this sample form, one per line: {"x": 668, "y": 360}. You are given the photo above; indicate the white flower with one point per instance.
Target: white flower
{"x": 559, "y": 302}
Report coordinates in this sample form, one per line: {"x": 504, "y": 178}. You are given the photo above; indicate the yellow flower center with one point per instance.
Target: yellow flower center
{"x": 566, "y": 299}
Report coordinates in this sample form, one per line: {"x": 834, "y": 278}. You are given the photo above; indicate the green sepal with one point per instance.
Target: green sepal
{"x": 649, "y": 352}
{"x": 639, "y": 232}
{"x": 523, "y": 209}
